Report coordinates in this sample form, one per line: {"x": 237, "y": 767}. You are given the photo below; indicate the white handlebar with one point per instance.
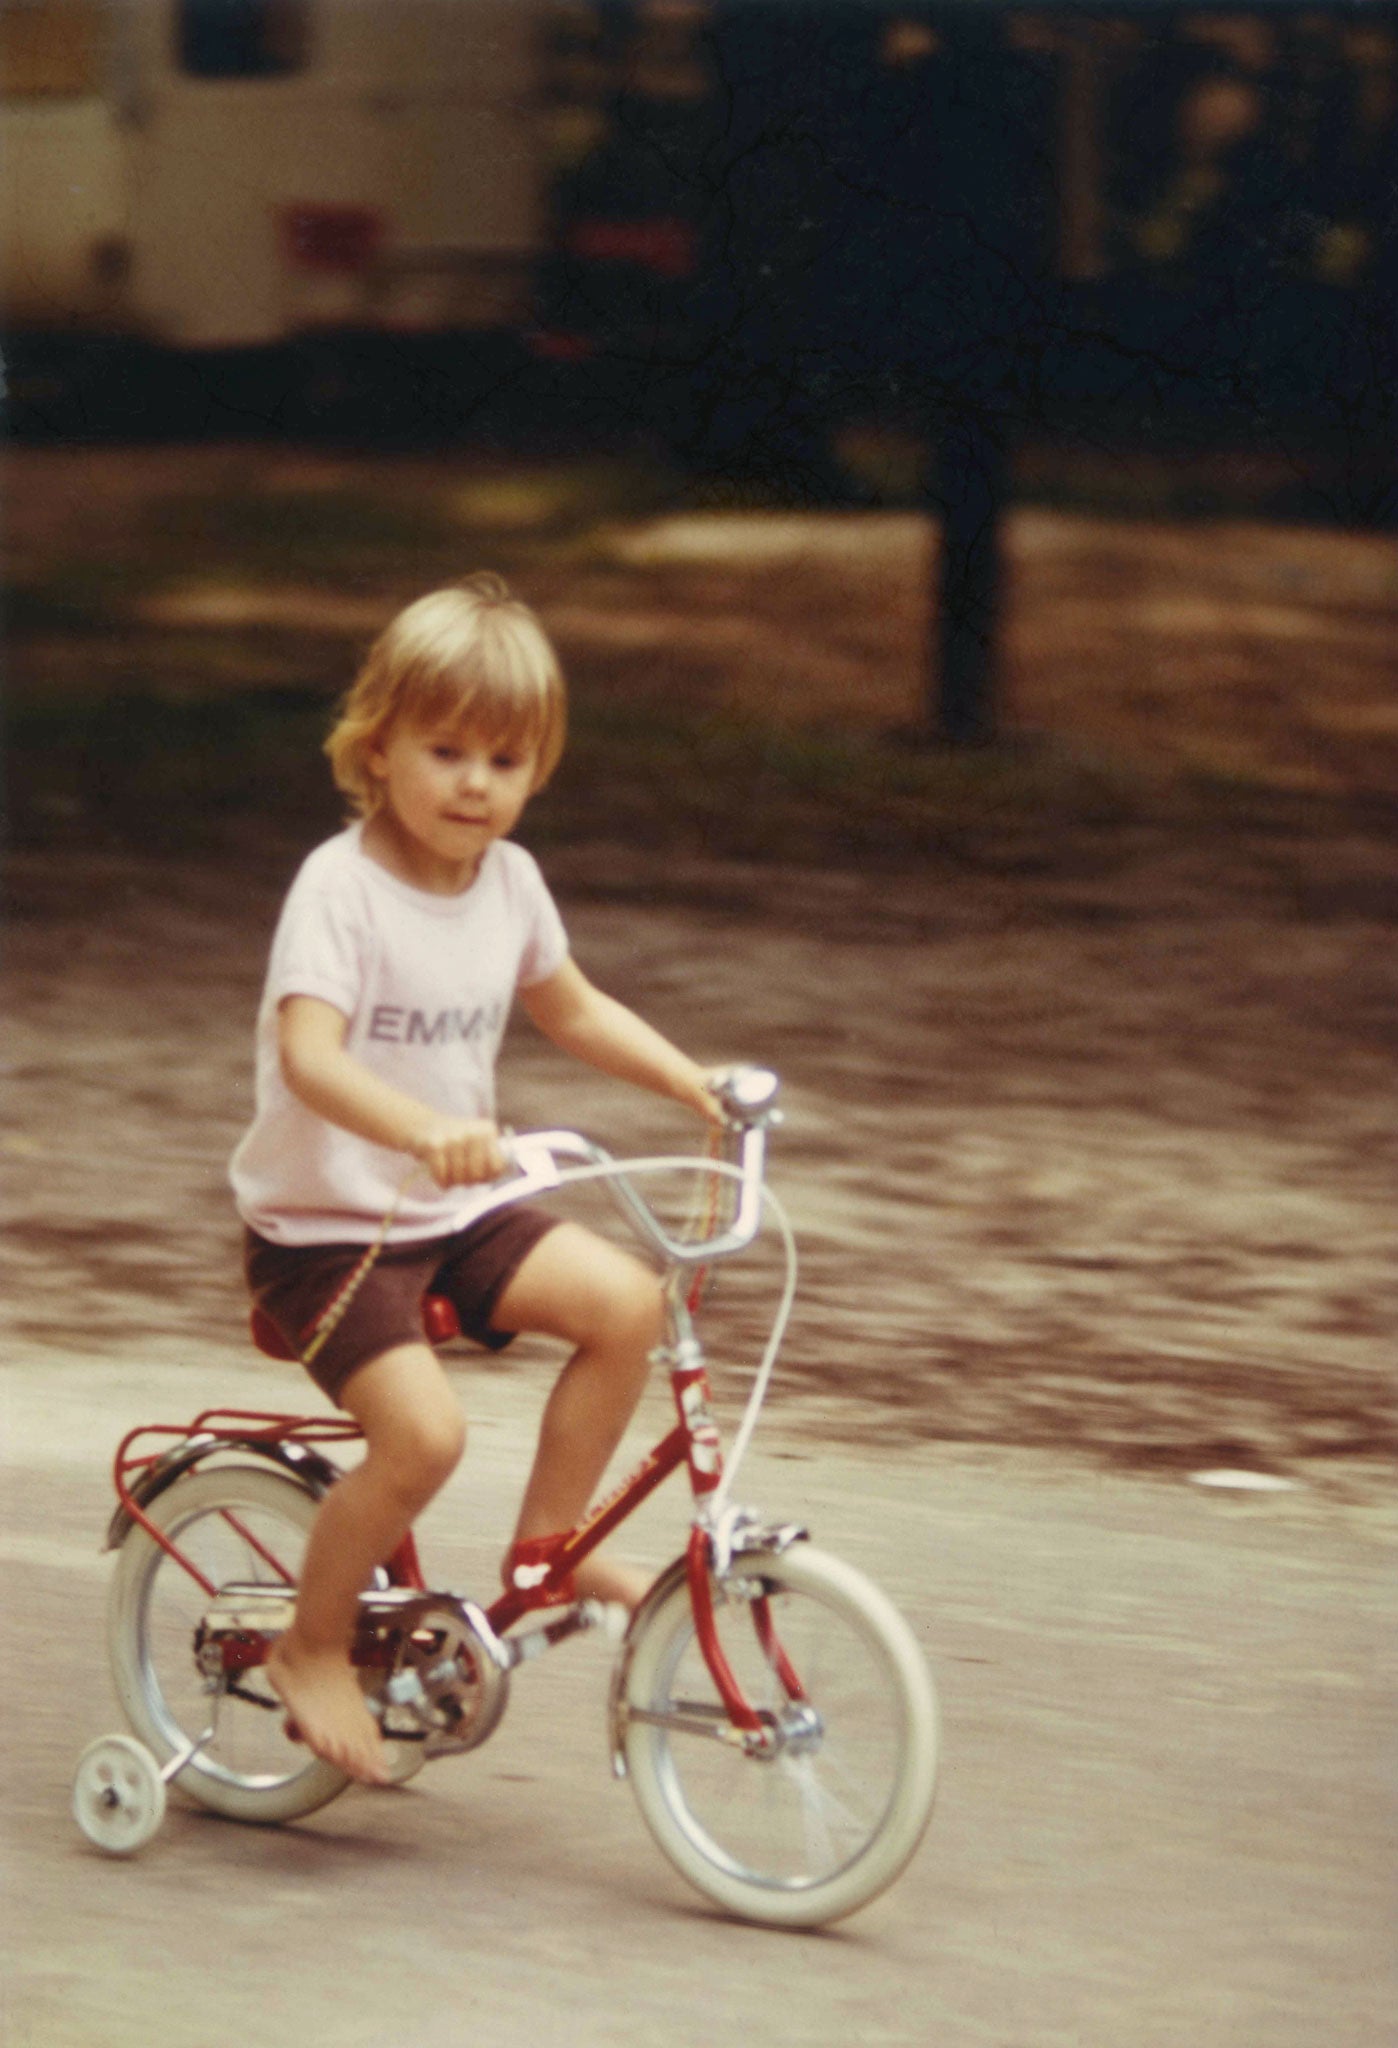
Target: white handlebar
{"x": 538, "y": 1155}
{"x": 748, "y": 1097}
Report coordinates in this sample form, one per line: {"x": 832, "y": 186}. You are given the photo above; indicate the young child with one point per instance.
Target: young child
{"x": 400, "y": 948}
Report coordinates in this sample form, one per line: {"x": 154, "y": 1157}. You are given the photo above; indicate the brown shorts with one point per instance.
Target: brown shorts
{"x": 294, "y": 1285}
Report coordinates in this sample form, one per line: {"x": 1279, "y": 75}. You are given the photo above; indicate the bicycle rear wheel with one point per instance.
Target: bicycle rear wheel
{"x": 231, "y": 1522}
{"x": 825, "y": 1819}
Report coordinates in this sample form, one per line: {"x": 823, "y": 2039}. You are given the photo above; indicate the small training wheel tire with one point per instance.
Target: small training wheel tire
{"x": 405, "y": 1760}
{"x": 118, "y": 1794}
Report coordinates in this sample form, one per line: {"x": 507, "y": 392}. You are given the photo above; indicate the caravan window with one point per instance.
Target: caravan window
{"x": 49, "y": 49}
{"x": 243, "y": 38}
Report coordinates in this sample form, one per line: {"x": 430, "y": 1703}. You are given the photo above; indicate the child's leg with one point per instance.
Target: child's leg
{"x": 414, "y": 1435}
{"x": 606, "y": 1304}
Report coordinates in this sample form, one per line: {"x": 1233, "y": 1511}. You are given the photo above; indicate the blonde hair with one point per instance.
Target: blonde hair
{"x": 471, "y": 656}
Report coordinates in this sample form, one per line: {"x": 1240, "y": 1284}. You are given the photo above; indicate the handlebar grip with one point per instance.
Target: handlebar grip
{"x": 748, "y": 1096}
{"x": 529, "y": 1153}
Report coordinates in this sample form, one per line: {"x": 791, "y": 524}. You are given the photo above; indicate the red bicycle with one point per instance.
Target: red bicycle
{"x": 771, "y": 1709}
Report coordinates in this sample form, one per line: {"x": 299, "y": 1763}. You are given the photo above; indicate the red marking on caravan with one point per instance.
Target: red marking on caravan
{"x": 339, "y": 240}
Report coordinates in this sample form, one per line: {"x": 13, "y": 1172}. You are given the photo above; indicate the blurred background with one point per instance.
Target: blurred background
{"x": 797, "y": 253}
{"x": 953, "y": 447}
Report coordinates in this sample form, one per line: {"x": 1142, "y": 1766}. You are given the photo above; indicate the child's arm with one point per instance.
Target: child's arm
{"x": 598, "y": 1029}
{"x": 319, "y": 1072}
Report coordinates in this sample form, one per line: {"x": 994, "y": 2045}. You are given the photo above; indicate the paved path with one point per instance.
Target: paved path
{"x": 1165, "y": 1818}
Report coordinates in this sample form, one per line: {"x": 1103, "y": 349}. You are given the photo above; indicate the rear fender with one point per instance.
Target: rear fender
{"x": 310, "y": 1468}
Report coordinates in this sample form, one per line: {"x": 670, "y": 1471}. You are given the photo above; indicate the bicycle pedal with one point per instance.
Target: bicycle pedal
{"x": 610, "y": 1616}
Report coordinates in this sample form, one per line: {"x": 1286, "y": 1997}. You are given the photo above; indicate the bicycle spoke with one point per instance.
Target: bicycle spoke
{"x": 237, "y": 1525}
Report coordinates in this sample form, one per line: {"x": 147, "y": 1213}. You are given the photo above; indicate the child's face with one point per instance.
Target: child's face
{"x": 448, "y": 794}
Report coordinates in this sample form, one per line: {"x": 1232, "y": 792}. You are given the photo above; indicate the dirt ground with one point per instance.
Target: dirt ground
{"x": 1165, "y": 1812}
{"x": 1090, "y": 1140}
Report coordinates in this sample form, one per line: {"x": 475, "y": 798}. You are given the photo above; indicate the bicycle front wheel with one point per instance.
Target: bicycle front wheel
{"x": 240, "y": 1525}
{"x": 826, "y": 1814}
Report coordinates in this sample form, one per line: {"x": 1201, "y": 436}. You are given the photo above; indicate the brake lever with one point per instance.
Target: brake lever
{"x": 530, "y": 1158}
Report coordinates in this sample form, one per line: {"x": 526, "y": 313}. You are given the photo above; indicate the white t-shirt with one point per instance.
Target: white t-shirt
{"x": 426, "y": 982}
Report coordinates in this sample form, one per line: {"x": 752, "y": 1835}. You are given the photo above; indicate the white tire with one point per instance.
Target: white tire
{"x": 830, "y": 1816}
{"x": 226, "y": 1519}
{"x": 118, "y": 1794}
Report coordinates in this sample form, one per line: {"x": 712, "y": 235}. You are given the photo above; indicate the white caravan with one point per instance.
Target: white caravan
{"x": 225, "y": 174}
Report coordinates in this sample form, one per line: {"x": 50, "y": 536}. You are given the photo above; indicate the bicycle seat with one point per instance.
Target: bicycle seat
{"x": 439, "y": 1325}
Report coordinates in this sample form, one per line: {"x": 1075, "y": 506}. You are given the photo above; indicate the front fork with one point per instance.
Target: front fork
{"x": 711, "y": 1557}
{"x": 715, "y": 1543}
{"x": 704, "y": 1452}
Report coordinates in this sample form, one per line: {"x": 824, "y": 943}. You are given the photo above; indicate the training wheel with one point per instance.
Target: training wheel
{"x": 405, "y": 1760}
{"x": 118, "y": 1794}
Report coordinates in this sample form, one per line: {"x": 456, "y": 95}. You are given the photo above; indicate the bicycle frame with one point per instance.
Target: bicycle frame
{"x": 291, "y": 1441}
{"x": 786, "y": 1805}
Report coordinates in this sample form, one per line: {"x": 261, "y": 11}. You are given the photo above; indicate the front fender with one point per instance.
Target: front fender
{"x": 752, "y": 1540}
{"x": 311, "y": 1468}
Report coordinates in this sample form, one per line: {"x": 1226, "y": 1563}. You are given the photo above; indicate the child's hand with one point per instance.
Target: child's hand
{"x": 462, "y": 1149}
{"x": 705, "y": 1100}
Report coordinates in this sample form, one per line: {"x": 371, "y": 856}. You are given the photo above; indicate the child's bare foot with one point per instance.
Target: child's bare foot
{"x": 322, "y": 1698}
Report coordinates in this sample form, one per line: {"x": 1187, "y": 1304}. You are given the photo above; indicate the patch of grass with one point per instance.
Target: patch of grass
{"x": 305, "y": 535}
{"x": 161, "y": 733}
{"x": 169, "y": 769}
{"x": 79, "y": 596}
{"x": 739, "y": 789}
{"x": 154, "y": 772}
{"x": 505, "y": 514}
{"x": 402, "y": 533}
{"x": 558, "y": 502}
{"x": 165, "y": 771}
